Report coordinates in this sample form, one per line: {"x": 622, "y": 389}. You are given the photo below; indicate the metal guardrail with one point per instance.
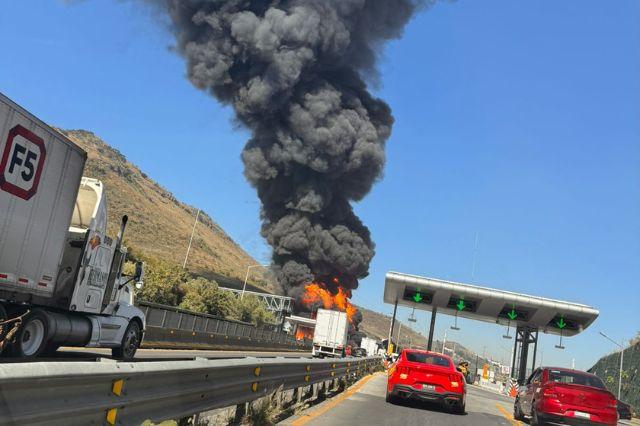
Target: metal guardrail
{"x": 174, "y": 328}
{"x": 97, "y": 393}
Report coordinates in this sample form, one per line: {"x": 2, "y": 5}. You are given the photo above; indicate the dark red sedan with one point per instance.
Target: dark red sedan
{"x": 559, "y": 395}
{"x": 427, "y": 376}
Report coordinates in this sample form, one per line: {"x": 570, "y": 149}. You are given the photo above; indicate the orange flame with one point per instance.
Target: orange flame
{"x": 317, "y": 293}
{"x": 304, "y": 333}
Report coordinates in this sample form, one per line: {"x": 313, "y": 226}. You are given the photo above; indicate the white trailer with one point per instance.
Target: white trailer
{"x": 369, "y": 345}
{"x": 61, "y": 280}
{"x": 330, "y": 335}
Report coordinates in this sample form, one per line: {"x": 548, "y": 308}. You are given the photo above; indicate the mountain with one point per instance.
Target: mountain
{"x": 159, "y": 224}
{"x": 608, "y": 368}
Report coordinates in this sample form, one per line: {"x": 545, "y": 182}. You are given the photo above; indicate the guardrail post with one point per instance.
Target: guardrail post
{"x": 164, "y": 318}
{"x": 241, "y": 411}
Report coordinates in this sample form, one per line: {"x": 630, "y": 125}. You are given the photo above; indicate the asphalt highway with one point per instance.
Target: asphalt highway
{"x": 366, "y": 406}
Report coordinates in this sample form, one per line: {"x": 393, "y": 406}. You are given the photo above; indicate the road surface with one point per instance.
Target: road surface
{"x": 91, "y": 354}
{"x": 367, "y": 407}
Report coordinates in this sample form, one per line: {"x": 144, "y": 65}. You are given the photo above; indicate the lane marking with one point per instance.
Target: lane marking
{"x": 333, "y": 402}
{"x": 508, "y": 415}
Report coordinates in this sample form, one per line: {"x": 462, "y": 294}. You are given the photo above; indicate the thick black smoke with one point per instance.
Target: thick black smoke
{"x": 294, "y": 72}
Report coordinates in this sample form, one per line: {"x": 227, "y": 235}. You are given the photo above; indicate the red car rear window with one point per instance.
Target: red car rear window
{"x": 427, "y": 359}
{"x": 574, "y": 378}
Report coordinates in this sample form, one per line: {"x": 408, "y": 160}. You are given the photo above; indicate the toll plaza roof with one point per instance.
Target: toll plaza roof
{"x": 488, "y": 304}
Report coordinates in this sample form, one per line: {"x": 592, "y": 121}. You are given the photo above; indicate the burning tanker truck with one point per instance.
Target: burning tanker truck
{"x": 296, "y": 73}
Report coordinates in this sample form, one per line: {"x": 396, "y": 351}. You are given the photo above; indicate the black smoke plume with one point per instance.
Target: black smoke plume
{"x": 295, "y": 72}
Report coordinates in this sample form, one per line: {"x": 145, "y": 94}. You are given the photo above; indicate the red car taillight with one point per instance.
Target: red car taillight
{"x": 404, "y": 372}
{"x": 455, "y": 380}
{"x": 613, "y": 402}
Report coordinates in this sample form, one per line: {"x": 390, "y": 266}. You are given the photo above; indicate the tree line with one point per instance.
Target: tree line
{"x": 171, "y": 285}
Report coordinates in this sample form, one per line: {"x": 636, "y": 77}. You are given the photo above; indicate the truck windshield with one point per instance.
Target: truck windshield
{"x": 575, "y": 378}
{"x": 427, "y": 359}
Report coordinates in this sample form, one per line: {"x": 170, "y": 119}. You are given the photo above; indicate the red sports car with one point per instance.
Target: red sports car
{"x": 427, "y": 376}
{"x": 558, "y": 395}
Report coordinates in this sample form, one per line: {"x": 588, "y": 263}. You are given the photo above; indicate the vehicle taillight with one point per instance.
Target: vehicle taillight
{"x": 404, "y": 372}
{"x": 613, "y": 402}
{"x": 550, "y": 392}
{"x": 455, "y": 380}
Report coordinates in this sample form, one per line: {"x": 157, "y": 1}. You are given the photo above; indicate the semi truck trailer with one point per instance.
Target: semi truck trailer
{"x": 61, "y": 275}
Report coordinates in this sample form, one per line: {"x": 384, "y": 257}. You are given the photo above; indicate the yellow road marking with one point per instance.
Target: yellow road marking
{"x": 508, "y": 415}
{"x": 332, "y": 403}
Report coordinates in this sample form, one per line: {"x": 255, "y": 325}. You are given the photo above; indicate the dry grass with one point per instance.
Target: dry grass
{"x": 159, "y": 224}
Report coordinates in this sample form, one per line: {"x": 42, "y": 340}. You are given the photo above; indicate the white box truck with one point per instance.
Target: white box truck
{"x": 369, "y": 345}
{"x": 61, "y": 280}
{"x": 330, "y": 335}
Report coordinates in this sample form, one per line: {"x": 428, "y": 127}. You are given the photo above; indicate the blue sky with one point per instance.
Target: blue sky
{"x": 515, "y": 121}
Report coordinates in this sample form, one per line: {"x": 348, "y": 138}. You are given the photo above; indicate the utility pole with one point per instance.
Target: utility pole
{"x": 475, "y": 252}
{"x": 621, "y": 346}
{"x": 193, "y": 230}
{"x": 244, "y": 287}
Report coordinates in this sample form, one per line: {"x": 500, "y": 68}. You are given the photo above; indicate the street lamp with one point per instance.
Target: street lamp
{"x": 621, "y": 360}
{"x": 244, "y": 287}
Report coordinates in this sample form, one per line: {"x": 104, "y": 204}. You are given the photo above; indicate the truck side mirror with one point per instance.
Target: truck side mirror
{"x": 138, "y": 276}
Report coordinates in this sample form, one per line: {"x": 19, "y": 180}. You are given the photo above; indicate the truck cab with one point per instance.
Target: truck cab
{"x": 61, "y": 280}
{"x": 92, "y": 300}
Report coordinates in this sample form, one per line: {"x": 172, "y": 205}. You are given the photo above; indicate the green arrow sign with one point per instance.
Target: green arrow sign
{"x": 561, "y": 324}
{"x": 512, "y": 315}
{"x": 417, "y": 297}
{"x": 460, "y": 305}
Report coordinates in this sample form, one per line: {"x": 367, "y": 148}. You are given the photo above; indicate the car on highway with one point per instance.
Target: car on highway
{"x": 427, "y": 376}
{"x": 565, "y": 396}
{"x": 624, "y": 410}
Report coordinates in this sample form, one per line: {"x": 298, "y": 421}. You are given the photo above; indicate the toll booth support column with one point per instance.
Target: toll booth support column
{"x": 432, "y": 325}
{"x": 525, "y": 336}
{"x": 535, "y": 351}
{"x": 393, "y": 323}
{"x": 515, "y": 355}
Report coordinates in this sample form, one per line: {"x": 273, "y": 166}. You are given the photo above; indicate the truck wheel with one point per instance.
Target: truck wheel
{"x": 31, "y": 338}
{"x": 130, "y": 342}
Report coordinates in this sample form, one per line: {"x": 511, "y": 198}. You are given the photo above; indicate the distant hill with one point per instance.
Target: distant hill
{"x": 160, "y": 224}
{"x": 607, "y": 368}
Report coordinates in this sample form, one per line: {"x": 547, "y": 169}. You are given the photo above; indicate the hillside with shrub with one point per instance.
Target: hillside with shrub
{"x": 159, "y": 224}
{"x": 171, "y": 285}
{"x": 608, "y": 367}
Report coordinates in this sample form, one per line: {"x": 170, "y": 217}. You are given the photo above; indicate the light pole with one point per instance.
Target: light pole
{"x": 244, "y": 287}
{"x": 193, "y": 230}
{"x": 621, "y": 360}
